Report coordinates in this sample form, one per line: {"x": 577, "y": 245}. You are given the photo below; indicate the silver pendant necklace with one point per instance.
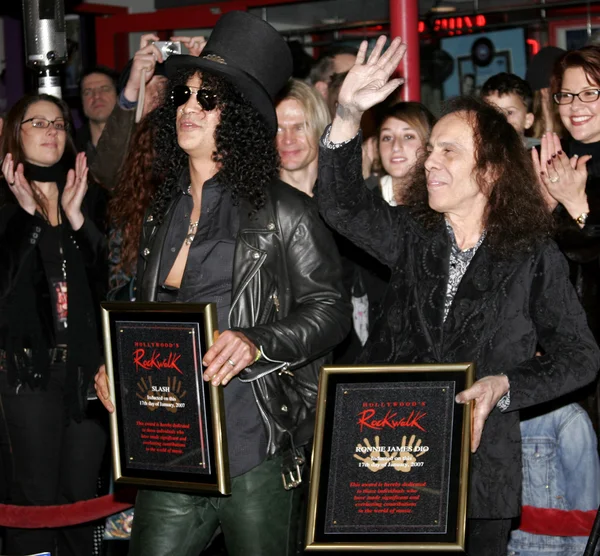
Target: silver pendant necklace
{"x": 193, "y": 227}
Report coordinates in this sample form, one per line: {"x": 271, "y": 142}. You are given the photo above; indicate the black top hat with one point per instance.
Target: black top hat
{"x": 249, "y": 53}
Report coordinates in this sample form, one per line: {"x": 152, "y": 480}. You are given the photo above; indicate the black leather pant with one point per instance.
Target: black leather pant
{"x": 259, "y": 518}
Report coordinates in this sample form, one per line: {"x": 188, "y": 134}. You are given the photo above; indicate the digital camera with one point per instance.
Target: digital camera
{"x": 167, "y": 48}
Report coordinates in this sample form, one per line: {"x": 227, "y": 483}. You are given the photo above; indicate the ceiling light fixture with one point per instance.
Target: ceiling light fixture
{"x": 441, "y": 7}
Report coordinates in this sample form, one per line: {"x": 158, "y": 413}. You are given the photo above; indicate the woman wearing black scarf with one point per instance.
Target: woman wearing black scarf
{"x": 53, "y": 260}
{"x": 571, "y": 179}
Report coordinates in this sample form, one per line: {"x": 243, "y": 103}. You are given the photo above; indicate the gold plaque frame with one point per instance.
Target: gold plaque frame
{"x": 334, "y": 384}
{"x": 200, "y": 322}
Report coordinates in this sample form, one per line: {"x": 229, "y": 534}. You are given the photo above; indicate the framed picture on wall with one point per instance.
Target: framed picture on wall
{"x": 507, "y": 47}
{"x": 471, "y": 77}
{"x": 573, "y": 33}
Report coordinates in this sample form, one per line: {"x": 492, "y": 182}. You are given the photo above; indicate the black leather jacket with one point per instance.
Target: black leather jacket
{"x": 287, "y": 298}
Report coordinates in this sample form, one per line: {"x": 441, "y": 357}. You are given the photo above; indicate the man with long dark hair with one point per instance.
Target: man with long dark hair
{"x": 475, "y": 276}
{"x": 224, "y": 228}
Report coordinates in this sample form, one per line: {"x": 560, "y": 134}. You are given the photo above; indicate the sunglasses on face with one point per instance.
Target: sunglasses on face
{"x": 206, "y": 99}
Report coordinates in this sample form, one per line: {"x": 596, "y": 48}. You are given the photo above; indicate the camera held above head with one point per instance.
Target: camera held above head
{"x": 167, "y": 48}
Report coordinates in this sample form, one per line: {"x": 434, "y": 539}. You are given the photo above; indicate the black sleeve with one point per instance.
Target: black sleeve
{"x": 321, "y": 313}
{"x": 571, "y": 357}
{"x": 20, "y": 233}
{"x": 353, "y": 210}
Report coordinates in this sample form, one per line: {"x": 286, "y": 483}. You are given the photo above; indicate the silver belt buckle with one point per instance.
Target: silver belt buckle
{"x": 293, "y": 477}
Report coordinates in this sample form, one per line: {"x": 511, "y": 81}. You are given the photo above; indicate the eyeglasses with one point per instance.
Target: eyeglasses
{"x": 589, "y": 95}
{"x": 103, "y": 90}
{"x": 43, "y": 123}
{"x": 206, "y": 99}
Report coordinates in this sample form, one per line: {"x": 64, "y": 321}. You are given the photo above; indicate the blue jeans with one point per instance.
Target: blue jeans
{"x": 260, "y": 517}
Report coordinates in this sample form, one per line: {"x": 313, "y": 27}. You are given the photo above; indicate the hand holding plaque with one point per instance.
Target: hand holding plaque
{"x": 375, "y": 485}
{"x": 167, "y": 423}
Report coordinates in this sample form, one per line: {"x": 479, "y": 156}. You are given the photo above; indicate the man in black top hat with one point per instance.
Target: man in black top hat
{"x": 224, "y": 228}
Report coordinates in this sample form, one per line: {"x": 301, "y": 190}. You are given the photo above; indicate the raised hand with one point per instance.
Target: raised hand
{"x": 144, "y": 62}
{"x": 194, "y": 44}
{"x": 74, "y": 192}
{"x": 18, "y": 184}
{"x": 367, "y": 84}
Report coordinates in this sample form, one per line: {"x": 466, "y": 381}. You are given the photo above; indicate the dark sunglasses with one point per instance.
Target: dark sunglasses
{"x": 206, "y": 99}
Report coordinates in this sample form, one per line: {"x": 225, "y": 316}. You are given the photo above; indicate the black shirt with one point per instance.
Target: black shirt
{"x": 208, "y": 278}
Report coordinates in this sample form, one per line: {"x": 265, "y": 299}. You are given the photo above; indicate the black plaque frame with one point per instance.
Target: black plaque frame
{"x": 330, "y": 526}
{"x": 197, "y": 325}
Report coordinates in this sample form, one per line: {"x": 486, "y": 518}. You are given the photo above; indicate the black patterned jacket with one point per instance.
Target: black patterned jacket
{"x": 502, "y": 310}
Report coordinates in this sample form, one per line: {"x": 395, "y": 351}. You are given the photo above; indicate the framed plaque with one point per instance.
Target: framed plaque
{"x": 390, "y": 460}
{"x": 168, "y": 427}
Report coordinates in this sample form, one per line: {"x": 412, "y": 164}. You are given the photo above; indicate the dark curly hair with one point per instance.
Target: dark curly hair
{"x": 517, "y": 217}
{"x": 137, "y": 185}
{"x": 245, "y": 148}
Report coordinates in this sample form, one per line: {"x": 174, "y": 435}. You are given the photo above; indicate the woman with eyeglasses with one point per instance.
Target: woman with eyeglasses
{"x": 570, "y": 179}
{"x": 570, "y": 176}
{"x": 53, "y": 263}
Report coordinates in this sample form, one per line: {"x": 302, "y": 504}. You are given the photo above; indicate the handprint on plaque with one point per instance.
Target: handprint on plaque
{"x": 407, "y": 458}
{"x": 373, "y": 460}
{"x": 402, "y": 458}
{"x": 145, "y": 393}
{"x": 176, "y": 394}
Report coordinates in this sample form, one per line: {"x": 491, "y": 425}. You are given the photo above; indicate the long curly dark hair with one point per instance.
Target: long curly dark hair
{"x": 517, "y": 217}
{"x": 245, "y": 149}
{"x": 137, "y": 185}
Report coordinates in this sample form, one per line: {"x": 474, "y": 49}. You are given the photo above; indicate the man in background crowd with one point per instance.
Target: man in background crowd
{"x": 302, "y": 117}
{"x": 115, "y": 143}
{"x": 337, "y": 59}
{"x": 98, "y": 97}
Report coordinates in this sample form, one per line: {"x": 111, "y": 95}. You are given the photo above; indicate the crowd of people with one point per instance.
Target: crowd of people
{"x": 329, "y": 223}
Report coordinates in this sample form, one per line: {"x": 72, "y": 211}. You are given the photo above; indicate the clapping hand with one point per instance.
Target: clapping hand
{"x": 562, "y": 179}
{"x": 19, "y": 186}
{"x": 74, "y": 192}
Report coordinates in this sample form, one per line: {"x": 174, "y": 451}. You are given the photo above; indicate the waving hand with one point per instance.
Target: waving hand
{"x": 367, "y": 84}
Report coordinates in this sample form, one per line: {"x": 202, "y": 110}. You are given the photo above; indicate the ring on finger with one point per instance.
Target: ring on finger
{"x": 232, "y": 363}
{"x": 554, "y": 179}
